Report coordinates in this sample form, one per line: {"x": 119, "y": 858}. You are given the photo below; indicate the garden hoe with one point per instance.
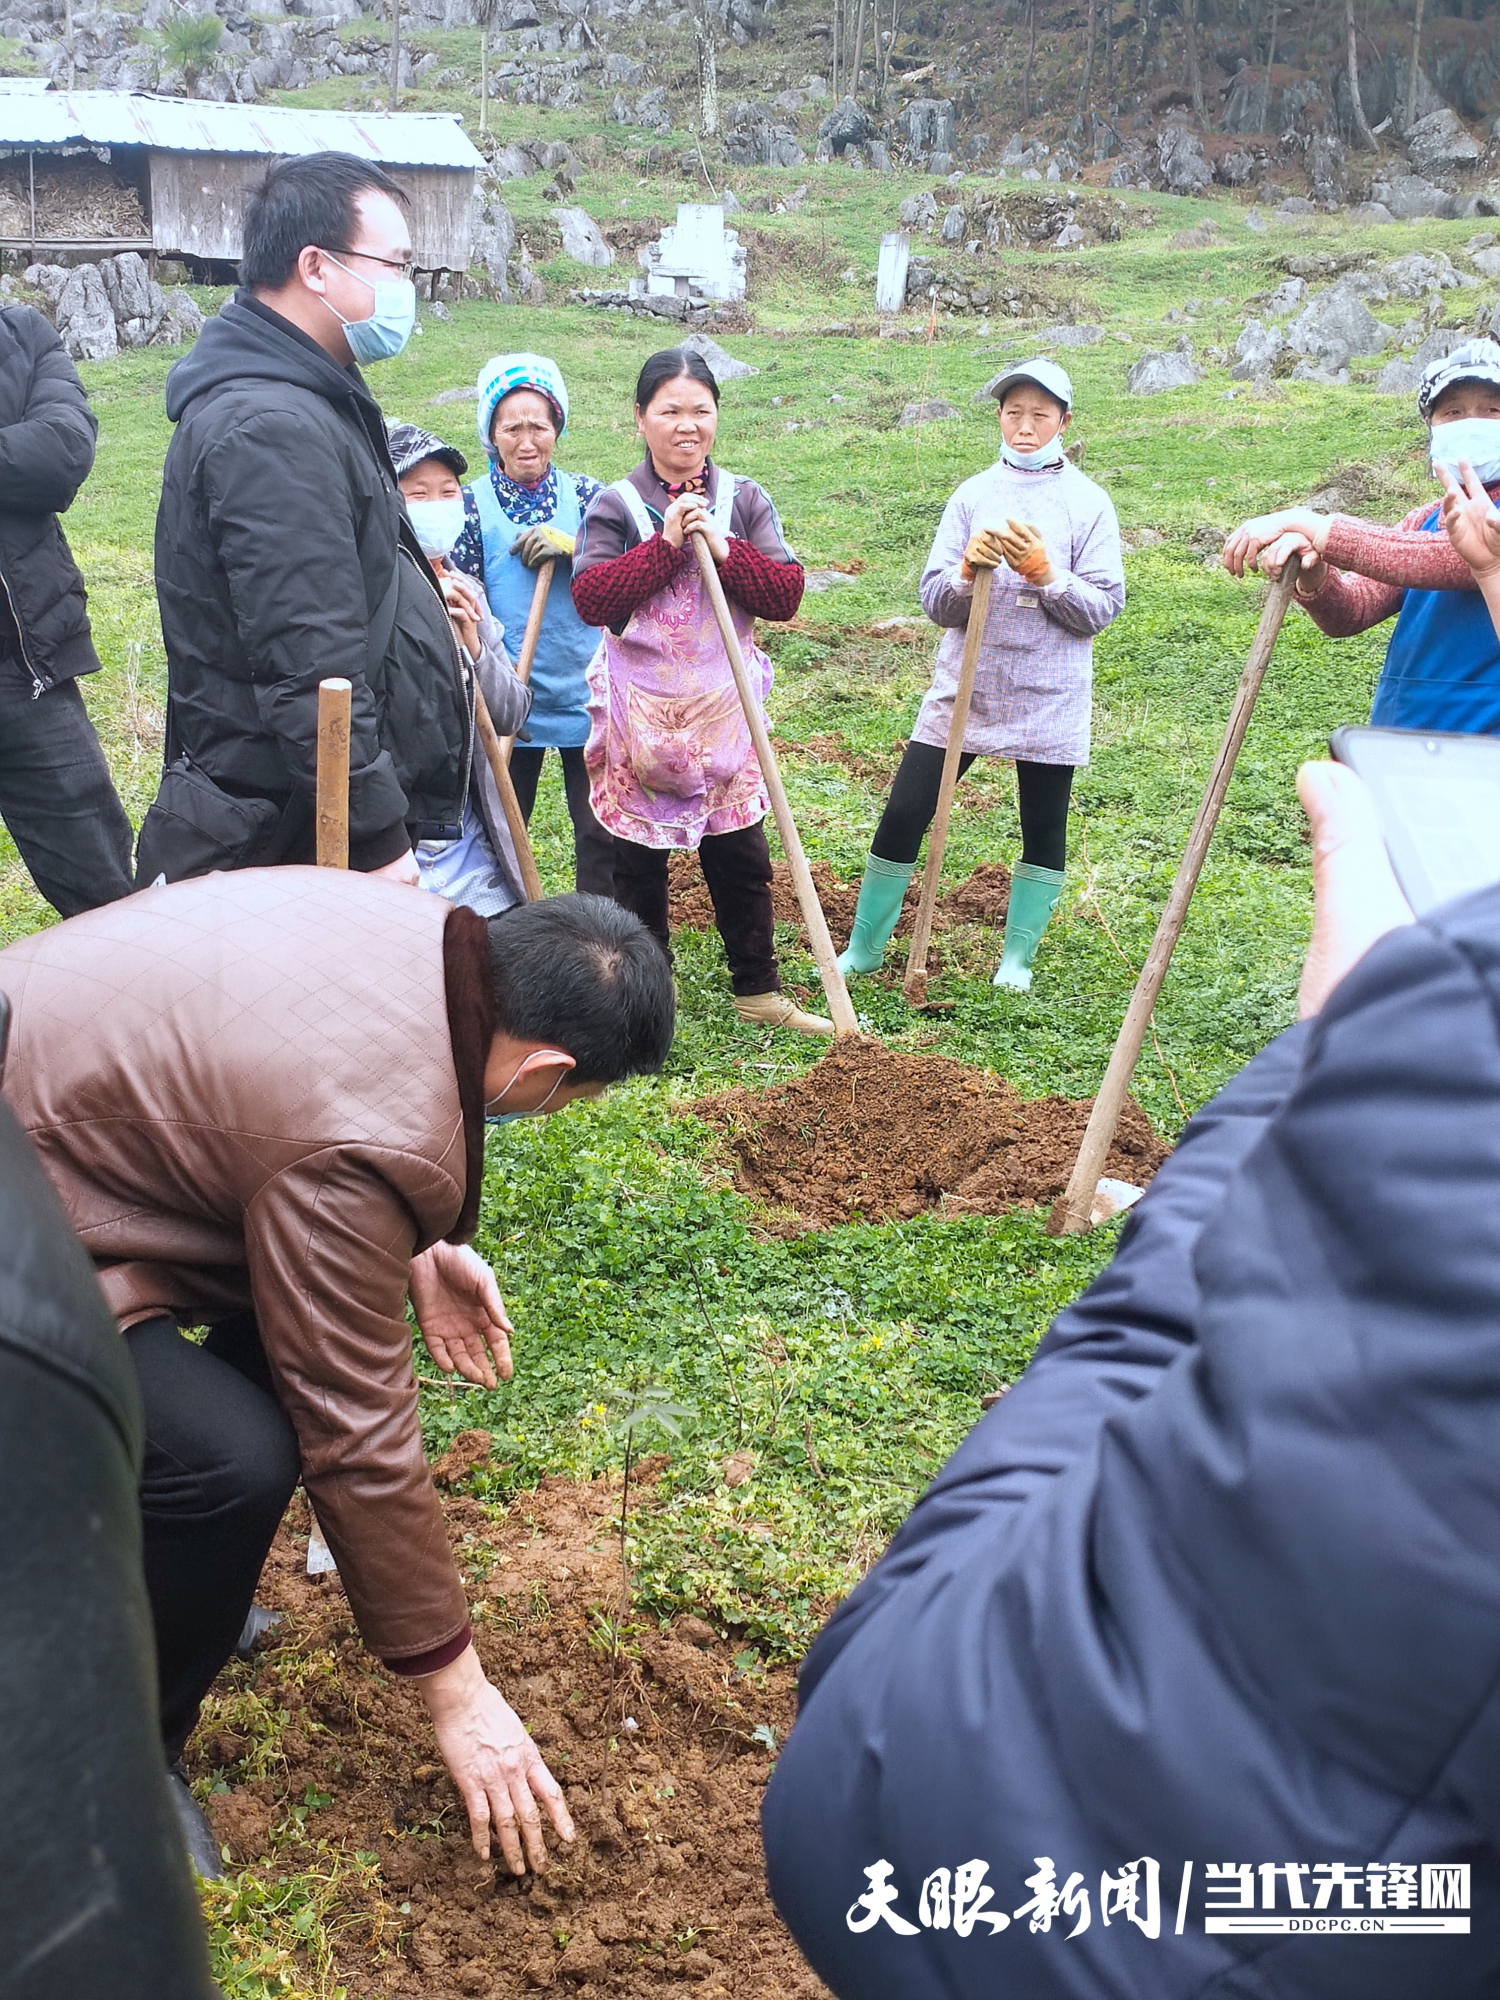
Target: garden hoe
{"x": 1074, "y": 1210}
{"x": 914, "y": 985}
{"x": 839, "y": 1005}
{"x": 530, "y": 637}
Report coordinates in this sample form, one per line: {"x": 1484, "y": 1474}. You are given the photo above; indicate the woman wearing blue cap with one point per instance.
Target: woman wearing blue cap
{"x": 524, "y": 512}
{"x": 1051, "y": 536}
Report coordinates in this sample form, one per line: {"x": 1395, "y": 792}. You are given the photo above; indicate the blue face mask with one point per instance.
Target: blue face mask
{"x": 1033, "y": 461}
{"x": 388, "y": 328}
{"x": 510, "y": 1117}
{"x": 1476, "y": 440}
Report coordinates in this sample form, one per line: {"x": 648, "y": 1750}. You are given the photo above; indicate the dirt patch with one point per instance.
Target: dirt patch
{"x": 884, "y": 1135}
{"x": 666, "y": 1878}
{"x": 982, "y": 899}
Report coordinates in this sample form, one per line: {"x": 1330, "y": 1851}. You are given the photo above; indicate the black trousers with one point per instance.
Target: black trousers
{"x": 1044, "y": 791}
{"x": 593, "y": 848}
{"x": 221, "y": 1463}
{"x": 57, "y": 799}
{"x": 737, "y": 869}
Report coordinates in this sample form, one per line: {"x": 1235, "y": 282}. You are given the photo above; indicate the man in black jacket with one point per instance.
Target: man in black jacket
{"x": 95, "y": 1894}
{"x": 1183, "y": 1677}
{"x": 55, "y": 791}
{"x": 282, "y": 550}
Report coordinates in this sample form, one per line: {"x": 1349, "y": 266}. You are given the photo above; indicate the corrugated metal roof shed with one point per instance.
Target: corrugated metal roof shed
{"x": 180, "y": 125}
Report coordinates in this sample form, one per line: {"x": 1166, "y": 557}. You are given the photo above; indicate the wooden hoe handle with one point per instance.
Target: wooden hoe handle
{"x": 839, "y": 1005}
{"x": 1072, "y": 1212}
{"x": 333, "y": 773}
{"x": 914, "y": 985}
{"x": 526, "y": 658}
{"x": 496, "y": 752}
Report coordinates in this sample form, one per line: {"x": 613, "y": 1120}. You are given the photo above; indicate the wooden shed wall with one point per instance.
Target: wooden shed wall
{"x": 198, "y": 200}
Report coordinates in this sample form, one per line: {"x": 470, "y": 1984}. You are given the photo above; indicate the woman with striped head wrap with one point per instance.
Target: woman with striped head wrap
{"x": 524, "y": 511}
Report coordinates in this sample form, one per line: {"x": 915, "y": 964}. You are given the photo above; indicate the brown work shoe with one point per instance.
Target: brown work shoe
{"x": 779, "y": 1010}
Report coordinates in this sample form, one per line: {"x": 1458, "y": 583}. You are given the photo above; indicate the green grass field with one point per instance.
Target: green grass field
{"x": 627, "y": 1262}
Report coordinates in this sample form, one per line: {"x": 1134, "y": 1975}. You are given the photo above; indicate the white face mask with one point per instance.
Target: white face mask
{"x": 1476, "y": 440}
{"x": 1050, "y": 453}
{"x": 437, "y": 524}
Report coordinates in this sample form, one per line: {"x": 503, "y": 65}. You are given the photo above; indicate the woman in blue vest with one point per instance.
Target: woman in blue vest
{"x": 526, "y": 511}
{"x": 1442, "y": 666}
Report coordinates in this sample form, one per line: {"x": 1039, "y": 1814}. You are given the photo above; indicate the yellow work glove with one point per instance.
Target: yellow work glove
{"x": 985, "y": 551}
{"x": 1024, "y": 550}
{"x": 538, "y": 545}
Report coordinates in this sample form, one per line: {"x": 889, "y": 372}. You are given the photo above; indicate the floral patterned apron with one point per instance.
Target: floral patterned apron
{"x": 669, "y": 752}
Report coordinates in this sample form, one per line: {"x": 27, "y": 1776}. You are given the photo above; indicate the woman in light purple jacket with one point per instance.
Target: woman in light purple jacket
{"x": 1052, "y": 538}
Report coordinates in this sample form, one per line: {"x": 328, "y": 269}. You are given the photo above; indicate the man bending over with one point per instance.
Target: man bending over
{"x": 261, "y": 1097}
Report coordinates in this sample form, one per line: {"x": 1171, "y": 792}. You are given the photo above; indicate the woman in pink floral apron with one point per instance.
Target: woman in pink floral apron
{"x": 669, "y": 755}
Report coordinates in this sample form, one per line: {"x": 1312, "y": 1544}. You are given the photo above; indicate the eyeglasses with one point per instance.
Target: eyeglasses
{"x": 513, "y": 433}
{"x": 401, "y": 264}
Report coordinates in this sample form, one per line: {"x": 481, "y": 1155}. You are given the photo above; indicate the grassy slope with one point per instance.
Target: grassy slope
{"x": 872, "y": 1342}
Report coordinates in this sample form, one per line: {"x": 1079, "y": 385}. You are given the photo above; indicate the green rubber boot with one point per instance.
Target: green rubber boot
{"x": 875, "y": 914}
{"x": 1033, "y": 897}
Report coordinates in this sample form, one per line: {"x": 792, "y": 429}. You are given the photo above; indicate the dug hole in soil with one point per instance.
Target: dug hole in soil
{"x": 665, "y": 1883}
{"x": 883, "y": 1135}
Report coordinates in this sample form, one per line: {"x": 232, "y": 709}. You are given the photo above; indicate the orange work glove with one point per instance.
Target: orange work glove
{"x": 985, "y": 551}
{"x": 1024, "y": 550}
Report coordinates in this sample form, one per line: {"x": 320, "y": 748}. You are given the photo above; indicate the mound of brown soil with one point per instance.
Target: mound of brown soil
{"x": 982, "y": 899}
{"x": 874, "y": 1133}
{"x": 665, "y": 1880}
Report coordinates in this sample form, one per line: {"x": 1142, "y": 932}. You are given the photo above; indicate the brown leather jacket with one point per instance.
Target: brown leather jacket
{"x": 267, "y": 1088}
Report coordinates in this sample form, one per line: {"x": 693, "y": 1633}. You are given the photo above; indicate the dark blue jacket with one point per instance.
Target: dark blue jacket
{"x": 1219, "y": 1580}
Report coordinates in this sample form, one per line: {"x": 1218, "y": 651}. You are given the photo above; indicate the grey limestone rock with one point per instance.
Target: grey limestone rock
{"x": 181, "y": 320}
{"x": 1371, "y": 211}
{"x": 1154, "y": 373}
{"x": 85, "y": 320}
{"x": 492, "y": 245}
{"x": 128, "y": 286}
{"x": 1439, "y": 144}
{"x": 1418, "y": 273}
{"x": 846, "y": 125}
{"x": 1289, "y": 293}
{"x": 581, "y": 239}
{"x": 929, "y": 125}
{"x": 1070, "y": 336}
{"x": 919, "y": 211}
{"x": 48, "y": 279}
{"x": 512, "y": 163}
{"x": 652, "y": 109}
{"x": 1256, "y": 351}
{"x": 1179, "y": 155}
{"x": 953, "y": 224}
{"x": 1409, "y": 198}
{"x": 724, "y": 367}
{"x": 931, "y": 412}
{"x": 1336, "y": 327}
